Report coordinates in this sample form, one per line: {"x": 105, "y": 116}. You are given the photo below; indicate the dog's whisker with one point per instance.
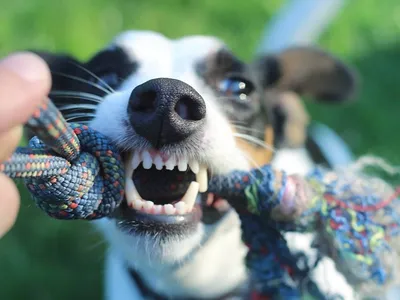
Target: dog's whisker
{"x": 94, "y": 76}
{"x": 79, "y": 117}
{"x": 244, "y": 128}
{"x": 237, "y": 122}
{"x": 252, "y": 161}
{"x": 254, "y": 140}
{"x": 81, "y": 107}
{"x": 95, "y": 246}
{"x": 82, "y": 80}
{"x": 76, "y": 95}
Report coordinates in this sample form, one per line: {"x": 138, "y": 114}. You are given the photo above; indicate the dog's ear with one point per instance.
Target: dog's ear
{"x": 68, "y": 73}
{"x": 301, "y": 71}
{"x": 98, "y": 76}
{"x": 75, "y": 90}
{"x": 310, "y": 72}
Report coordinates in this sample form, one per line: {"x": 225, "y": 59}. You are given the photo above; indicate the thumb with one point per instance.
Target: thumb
{"x": 25, "y": 81}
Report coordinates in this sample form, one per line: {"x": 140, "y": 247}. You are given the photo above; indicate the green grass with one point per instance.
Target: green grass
{"x": 47, "y": 259}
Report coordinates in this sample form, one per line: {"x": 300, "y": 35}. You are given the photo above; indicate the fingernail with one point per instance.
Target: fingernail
{"x": 28, "y": 66}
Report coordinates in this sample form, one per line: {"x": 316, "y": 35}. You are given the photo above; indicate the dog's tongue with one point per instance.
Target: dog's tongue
{"x": 161, "y": 186}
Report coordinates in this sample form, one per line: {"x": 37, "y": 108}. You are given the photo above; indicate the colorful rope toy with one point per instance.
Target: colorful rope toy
{"x": 355, "y": 218}
{"x": 74, "y": 172}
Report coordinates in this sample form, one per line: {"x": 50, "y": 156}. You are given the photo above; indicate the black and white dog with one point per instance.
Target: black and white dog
{"x": 181, "y": 111}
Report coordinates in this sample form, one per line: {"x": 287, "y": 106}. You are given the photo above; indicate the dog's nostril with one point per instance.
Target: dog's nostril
{"x": 166, "y": 111}
{"x": 147, "y": 102}
{"x": 189, "y": 109}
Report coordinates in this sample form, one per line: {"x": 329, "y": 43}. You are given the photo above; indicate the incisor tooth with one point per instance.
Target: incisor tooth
{"x": 182, "y": 164}
{"x": 136, "y": 160}
{"x": 180, "y": 208}
{"x": 158, "y": 162}
{"x": 190, "y": 196}
{"x": 170, "y": 163}
{"x": 148, "y": 206}
{"x": 169, "y": 209}
{"x": 194, "y": 166}
{"x": 158, "y": 209}
{"x": 138, "y": 204}
{"x": 147, "y": 160}
{"x": 202, "y": 179}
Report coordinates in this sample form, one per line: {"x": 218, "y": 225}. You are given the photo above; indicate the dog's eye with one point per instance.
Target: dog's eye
{"x": 236, "y": 86}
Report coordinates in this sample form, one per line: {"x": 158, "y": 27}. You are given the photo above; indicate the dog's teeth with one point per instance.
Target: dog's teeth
{"x": 190, "y": 196}
{"x": 147, "y": 160}
{"x": 158, "y": 209}
{"x": 169, "y": 209}
{"x": 128, "y": 166}
{"x": 129, "y": 187}
{"x": 158, "y": 162}
{"x": 182, "y": 164}
{"x": 194, "y": 166}
{"x": 138, "y": 204}
{"x": 131, "y": 192}
{"x": 148, "y": 206}
{"x": 170, "y": 163}
{"x": 180, "y": 208}
{"x": 136, "y": 160}
{"x": 202, "y": 179}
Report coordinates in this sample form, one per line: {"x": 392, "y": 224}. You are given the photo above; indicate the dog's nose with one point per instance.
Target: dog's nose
{"x": 166, "y": 111}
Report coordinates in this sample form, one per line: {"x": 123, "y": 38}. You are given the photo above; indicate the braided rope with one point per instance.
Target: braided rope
{"x": 72, "y": 171}
{"x": 355, "y": 216}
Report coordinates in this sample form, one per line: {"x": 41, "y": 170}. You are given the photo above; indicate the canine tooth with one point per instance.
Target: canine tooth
{"x": 182, "y": 164}
{"x": 158, "y": 209}
{"x": 194, "y": 166}
{"x": 170, "y": 163}
{"x": 147, "y": 160}
{"x": 158, "y": 162}
{"x": 180, "y": 208}
{"x": 130, "y": 191}
{"x": 202, "y": 179}
{"x": 190, "y": 196}
{"x": 138, "y": 204}
{"x": 136, "y": 160}
{"x": 128, "y": 166}
{"x": 148, "y": 206}
{"x": 169, "y": 209}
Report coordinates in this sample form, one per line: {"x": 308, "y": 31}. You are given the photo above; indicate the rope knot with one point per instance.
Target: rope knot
{"x": 89, "y": 186}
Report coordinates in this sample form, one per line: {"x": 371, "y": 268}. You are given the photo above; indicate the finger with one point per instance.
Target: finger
{"x": 9, "y": 204}
{"x": 24, "y": 83}
{"x": 9, "y": 141}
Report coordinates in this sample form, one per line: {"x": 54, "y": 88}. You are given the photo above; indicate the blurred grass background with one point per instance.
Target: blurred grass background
{"x": 47, "y": 259}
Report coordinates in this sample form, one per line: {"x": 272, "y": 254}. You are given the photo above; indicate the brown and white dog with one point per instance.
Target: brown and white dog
{"x": 181, "y": 111}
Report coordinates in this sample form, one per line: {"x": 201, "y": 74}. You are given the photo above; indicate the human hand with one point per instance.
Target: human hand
{"x": 24, "y": 84}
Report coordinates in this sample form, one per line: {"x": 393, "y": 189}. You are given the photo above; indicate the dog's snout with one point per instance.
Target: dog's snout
{"x": 166, "y": 111}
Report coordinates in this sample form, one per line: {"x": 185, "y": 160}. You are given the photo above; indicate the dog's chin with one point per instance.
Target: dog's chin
{"x": 134, "y": 222}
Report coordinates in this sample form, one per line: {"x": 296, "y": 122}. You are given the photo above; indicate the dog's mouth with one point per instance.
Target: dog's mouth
{"x": 166, "y": 189}
{"x": 161, "y": 184}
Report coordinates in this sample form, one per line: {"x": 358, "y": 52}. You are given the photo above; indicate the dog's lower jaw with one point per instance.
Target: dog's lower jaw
{"x": 206, "y": 264}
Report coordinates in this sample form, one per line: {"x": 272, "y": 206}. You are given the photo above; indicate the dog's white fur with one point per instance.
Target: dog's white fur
{"x": 210, "y": 250}
{"x": 209, "y": 262}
